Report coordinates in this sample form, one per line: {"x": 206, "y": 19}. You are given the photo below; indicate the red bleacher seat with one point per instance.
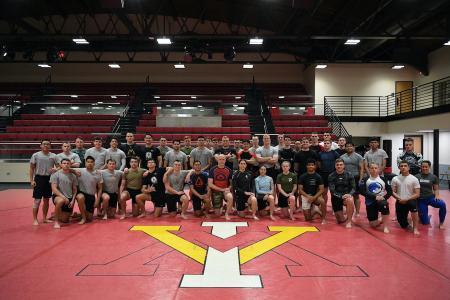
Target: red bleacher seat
{"x": 172, "y": 136}
{"x": 187, "y": 130}
{"x": 64, "y": 122}
{"x": 59, "y": 129}
{"x": 289, "y": 130}
{"x": 67, "y": 117}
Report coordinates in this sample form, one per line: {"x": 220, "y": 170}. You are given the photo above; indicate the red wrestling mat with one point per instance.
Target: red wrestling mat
{"x": 170, "y": 258}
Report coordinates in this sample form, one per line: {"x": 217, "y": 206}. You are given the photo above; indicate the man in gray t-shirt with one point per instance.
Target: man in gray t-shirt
{"x": 375, "y": 155}
{"x": 354, "y": 164}
{"x": 174, "y": 180}
{"x": 42, "y": 164}
{"x": 89, "y": 189}
{"x": 175, "y": 154}
{"x": 201, "y": 154}
{"x": 98, "y": 153}
{"x": 74, "y": 159}
{"x": 116, "y": 154}
{"x": 268, "y": 156}
{"x": 111, "y": 180}
{"x": 64, "y": 188}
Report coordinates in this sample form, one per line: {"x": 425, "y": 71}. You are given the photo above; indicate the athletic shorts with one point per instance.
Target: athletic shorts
{"x": 133, "y": 193}
{"x": 43, "y": 188}
{"x": 337, "y": 203}
{"x": 241, "y": 200}
{"x": 89, "y": 201}
{"x": 357, "y": 179}
{"x": 172, "y": 201}
{"x": 112, "y": 199}
{"x": 262, "y": 204}
{"x": 217, "y": 199}
{"x": 282, "y": 201}
{"x": 411, "y": 205}
{"x": 306, "y": 204}
{"x": 376, "y": 207}
{"x": 158, "y": 199}
{"x": 324, "y": 176}
{"x": 65, "y": 207}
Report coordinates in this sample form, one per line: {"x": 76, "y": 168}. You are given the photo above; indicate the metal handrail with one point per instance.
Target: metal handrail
{"x": 430, "y": 95}
{"x": 116, "y": 126}
{"x": 337, "y": 128}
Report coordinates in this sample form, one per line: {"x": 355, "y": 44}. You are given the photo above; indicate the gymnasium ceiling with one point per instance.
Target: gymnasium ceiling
{"x": 302, "y": 32}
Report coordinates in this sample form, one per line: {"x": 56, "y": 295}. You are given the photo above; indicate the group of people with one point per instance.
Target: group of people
{"x": 250, "y": 179}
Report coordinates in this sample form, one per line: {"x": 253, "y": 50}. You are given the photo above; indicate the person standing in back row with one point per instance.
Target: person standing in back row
{"x": 42, "y": 165}
{"x": 414, "y": 159}
{"x": 375, "y": 155}
{"x": 130, "y": 148}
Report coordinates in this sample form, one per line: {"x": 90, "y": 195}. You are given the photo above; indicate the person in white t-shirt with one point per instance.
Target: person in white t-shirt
{"x": 406, "y": 190}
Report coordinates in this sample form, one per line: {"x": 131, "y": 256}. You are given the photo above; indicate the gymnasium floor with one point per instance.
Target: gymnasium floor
{"x": 107, "y": 260}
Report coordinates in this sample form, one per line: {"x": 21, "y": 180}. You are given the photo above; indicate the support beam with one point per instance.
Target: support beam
{"x": 436, "y": 152}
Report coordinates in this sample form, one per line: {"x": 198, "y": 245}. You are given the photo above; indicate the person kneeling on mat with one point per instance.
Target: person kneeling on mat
{"x": 377, "y": 191}
{"x": 64, "y": 188}
{"x": 242, "y": 183}
{"x": 264, "y": 193}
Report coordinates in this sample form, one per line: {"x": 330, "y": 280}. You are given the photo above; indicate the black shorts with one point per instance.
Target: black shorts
{"x": 241, "y": 200}
{"x": 282, "y": 201}
{"x": 158, "y": 199}
{"x": 410, "y": 205}
{"x": 337, "y": 203}
{"x": 172, "y": 201}
{"x": 43, "y": 188}
{"x": 376, "y": 207}
{"x": 65, "y": 207}
{"x": 89, "y": 201}
{"x": 112, "y": 199}
{"x": 356, "y": 184}
{"x": 324, "y": 176}
{"x": 196, "y": 203}
{"x": 262, "y": 204}
{"x": 133, "y": 193}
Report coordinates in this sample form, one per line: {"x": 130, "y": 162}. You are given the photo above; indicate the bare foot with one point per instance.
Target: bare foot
{"x": 35, "y": 223}
{"x": 82, "y": 221}
{"x": 441, "y": 226}
{"x": 348, "y": 225}
{"x": 122, "y": 217}
{"x": 323, "y": 222}
{"x": 273, "y": 218}
{"x": 105, "y": 217}
{"x": 227, "y": 217}
{"x": 386, "y": 230}
{"x": 141, "y": 216}
{"x": 292, "y": 218}
{"x": 416, "y": 232}
{"x": 184, "y": 216}
{"x": 56, "y": 226}
{"x": 47, "y": 221}
{"x": 255, "y": 218}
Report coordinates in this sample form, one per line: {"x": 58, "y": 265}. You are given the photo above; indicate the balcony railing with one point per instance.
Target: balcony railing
{"x": 426, "y": 96}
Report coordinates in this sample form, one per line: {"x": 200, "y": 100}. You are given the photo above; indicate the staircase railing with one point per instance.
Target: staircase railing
{"x": 337, "y": 128}
{"x": 116, "y": 127}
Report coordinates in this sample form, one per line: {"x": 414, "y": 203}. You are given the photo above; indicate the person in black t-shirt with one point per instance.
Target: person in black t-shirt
{"x": 249, "y": 157}
{"x": 230, "y": 153}
{"x": 286, "y": 153}
{"x": 242, "y": 183}
{"x": 342, "y": 141}
{"x": 303, "y": 156}
{"x": 152, "y": 189}
{"x": 198, "y": 184}
{"x": 150, "y": 152}
{"x": 311, "y": 189}
{"x": 130, "y": 148}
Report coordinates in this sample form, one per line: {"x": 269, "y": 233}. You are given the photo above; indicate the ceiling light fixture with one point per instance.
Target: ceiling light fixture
{"x": 80, "y": 41}
{"x": 321, "y": 66}
{"x": 256, "y": 41}
{"x": 247, "y": 66}
{"x": 164, "y": 41}
{"x": 352, "y": 42}
{"x": 179, "y": 66}
{"x": 114, "y": 66}
{"x": 397, "y": 67}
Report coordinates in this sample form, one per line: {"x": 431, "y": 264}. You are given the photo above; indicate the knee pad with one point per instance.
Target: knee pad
{"x": 36, "y": 203}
